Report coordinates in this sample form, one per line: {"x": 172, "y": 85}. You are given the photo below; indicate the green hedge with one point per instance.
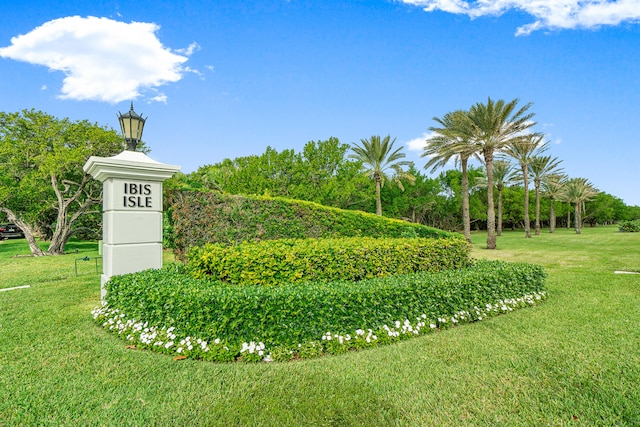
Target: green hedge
{"x": 274, "y": 262}
{"x": 630, "y": 226}
{"x": 198, "y": 218}
{"x": 292, "y": 314}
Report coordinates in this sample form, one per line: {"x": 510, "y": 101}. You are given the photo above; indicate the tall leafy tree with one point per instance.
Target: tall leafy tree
{"x": 452, "y": 140}
{"x": 523, "y": 150}
{"x": 420, "y": 203}
{"x": 41, "y": 159}
{"x": 577, "y": 191}
{"x": 328, "y": 177}
{"x": 539, "y": 169}
{"x": 321, "y": 173}
{"x": 602, "y": 209}
{"x": 379, "y": 158}
{"x": 495, "y": 125}
{"x": 451, "y": 183}
{"x": 512, "y": 208}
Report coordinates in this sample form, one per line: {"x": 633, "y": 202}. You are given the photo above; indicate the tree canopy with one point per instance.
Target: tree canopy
{"x": 42, "y": 185}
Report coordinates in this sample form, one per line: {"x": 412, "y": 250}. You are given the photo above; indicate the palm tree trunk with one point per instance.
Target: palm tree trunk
{"x": 537, "y": 185}
{"x": 527, "y": 223}
{"x": 552, "y": 217}
{"x": 569, "y": 217}
{"x": 378, "y": 201}
{"x": 499, "y": 223}
{"x": 576, "y": 218}
{"x": 466, "y": 219}
{"x": 491, "y": 212}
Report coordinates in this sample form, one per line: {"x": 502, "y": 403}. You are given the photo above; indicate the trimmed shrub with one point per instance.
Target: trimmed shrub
{"x": 275, "y": 262}
{"x": 293, "y": 314}
{"x": 630, "y": 226}
{"x": 199, "y": 218}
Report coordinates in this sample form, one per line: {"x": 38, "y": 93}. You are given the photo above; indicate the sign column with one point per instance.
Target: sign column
{"x": 132, "y": 212}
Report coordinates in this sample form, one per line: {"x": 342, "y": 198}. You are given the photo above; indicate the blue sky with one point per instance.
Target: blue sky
{"x": 223, "y": 79}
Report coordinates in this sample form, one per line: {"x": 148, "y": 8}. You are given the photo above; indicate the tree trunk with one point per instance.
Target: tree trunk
{"x": 491, "y": 213}
{"x": 527, "y": 222}
{"x": 59, "y": 240}
{"x": 466, "y": 220}
{"x": 552, "y": 217}
{"x": 28, "y": 233}
{"x": 499, "y": 223}
{"x": 378, "y": 201}
{"x": 537, "y": 186}
{"x": 576, "y": 218}
{"x": 569, "y": 217}
{"x": 63, "y": 231}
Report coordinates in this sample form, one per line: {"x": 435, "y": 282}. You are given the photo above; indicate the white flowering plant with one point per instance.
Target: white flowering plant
{"x": 161, "y": 339}
{"x": 166, "y": 340}
{"x": 173, "y": 313}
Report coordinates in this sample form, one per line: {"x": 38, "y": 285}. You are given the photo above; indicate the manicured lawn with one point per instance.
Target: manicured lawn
{"x": 573, "y": 360}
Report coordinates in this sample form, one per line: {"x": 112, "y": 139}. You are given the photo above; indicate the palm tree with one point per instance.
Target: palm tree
{"x": 377, "y": 156}
{"x": 451, "y": 141}
{"x": 502, "y": 174}
{"x": 495, "y": 125}
{"x": 524, "y": 149}
{"x": 578, "y": 191}
{"x": 541, "y": 167}
{"x": 552, "y": 188}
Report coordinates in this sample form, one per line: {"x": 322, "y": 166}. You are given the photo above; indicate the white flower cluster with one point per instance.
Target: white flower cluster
{"x": 166, "y": 339}
{"x": 252, "y": 348}
{"x": 508, "y": 304}
{"x": 341, "y": 339}
{"x": 152, "y": 336}
{"x": 408, "y": 328}
{"x": 370, "y": 336}
{"x": 189, "y": 345}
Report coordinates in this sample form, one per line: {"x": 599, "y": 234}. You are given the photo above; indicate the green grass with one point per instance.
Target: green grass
{"x": 573, "y": 360}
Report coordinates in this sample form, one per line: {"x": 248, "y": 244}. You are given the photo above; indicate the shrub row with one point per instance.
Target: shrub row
{"x": 630, "y": 226}
{"x": 293, "y": 314}
{"x": 197, "y": 218}
{"x": 275, "y": 262}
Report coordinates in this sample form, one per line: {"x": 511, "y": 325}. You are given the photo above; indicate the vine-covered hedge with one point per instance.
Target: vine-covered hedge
{"x": 274, "y": 262}
{"x": 291, "y": 316}
{"x": 198, "y": 218}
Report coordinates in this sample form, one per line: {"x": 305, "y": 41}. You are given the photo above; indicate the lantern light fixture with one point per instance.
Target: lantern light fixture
{"x": 131, "y": 125}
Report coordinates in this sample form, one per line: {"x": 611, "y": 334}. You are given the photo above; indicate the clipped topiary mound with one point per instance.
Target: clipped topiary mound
{"x": 199, "y": 218}
{"x": 630, "y": 226}
{"x": 274, "y": 262}
{"x": 174, "y": 313}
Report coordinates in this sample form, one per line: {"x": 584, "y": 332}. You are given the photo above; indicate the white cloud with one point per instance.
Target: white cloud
{"x": 193, "y": 47}
{"x": 159, "y": 98}
{"x": 102, "y": 59}
{"x": 548, "y": 14}
{"x": 417, "y": 144}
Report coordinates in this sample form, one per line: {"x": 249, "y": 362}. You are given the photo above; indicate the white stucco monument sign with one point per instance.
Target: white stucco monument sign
{"x": 132, "y": 211}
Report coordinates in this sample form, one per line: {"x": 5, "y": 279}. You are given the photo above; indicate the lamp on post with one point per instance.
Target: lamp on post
{"x": 132, "y": 125}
